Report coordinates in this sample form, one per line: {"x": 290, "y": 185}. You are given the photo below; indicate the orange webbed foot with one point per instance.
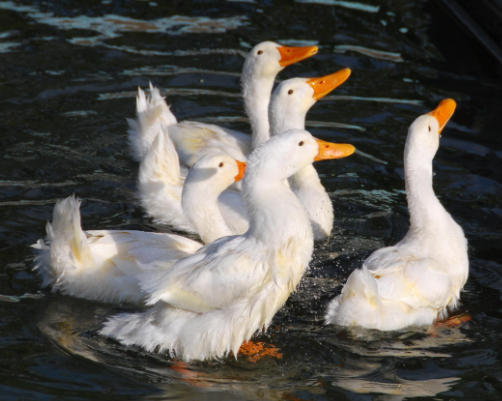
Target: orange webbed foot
{"x": 451, "y": 322}
{"x": 256, "y": 351}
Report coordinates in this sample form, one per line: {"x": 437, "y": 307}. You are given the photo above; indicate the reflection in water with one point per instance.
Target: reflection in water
{"x": 73, "y": 324}
{"x": 418, "y": 342}
{"x": 397, "y": 389}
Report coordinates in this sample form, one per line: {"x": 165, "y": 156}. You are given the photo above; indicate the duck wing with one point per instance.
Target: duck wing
{"x": 215, "y": 276}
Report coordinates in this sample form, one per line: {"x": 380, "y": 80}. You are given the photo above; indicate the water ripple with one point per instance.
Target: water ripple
{"x": 316, "y": 124}
{"x": 109, "y": 26}
{"x": 7, "y": 47}
{"x": 347, "y": 4}
{"x": 179, "y": 53}
{"x": 168, "y": 69}
{"x": 171, "y": 92}
{"x": 379, "y": 54}
{"x": 375, "y": 99}
{"x": 399, "y": 386}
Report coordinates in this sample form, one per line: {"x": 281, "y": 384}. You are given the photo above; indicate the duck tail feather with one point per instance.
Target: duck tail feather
{"x": 152, "y": 112}
{"x": 65, "y": 247}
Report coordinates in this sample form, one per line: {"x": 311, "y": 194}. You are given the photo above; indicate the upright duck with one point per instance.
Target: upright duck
{"x": 291, "y": 101}
{"x": 419, "y": 279}
{"x": 208, "y": 304}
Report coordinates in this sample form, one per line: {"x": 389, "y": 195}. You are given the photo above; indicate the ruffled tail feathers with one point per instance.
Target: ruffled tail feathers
{"x": 151, "y": 114}
{"x": 65, "y": 246}
{"x": 160, "y": 162}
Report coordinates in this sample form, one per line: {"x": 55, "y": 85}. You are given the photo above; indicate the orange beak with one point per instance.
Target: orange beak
{"x": 291, "y": 55}
{"x": 329, "y": 150}
{"x": 444, "y": 112}
{"x": 242, "y": 170}
{"x": 324, "y": 85}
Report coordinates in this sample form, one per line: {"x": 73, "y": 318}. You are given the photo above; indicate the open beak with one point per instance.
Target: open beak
{"x": 324, "y": 85}
{"x": 444, "y": 112}
{"x": 242, "y": 170}
{"x": 329, "y": 150}
{"x": 291, "y": 55}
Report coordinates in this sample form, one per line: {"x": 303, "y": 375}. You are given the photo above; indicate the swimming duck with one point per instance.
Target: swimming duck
{"x": 419, "y": 279}
{"x": 192, "y": 139}
{"x": 206, "y": 305}
{"x": 102, "y": 265}
{"x": 163, "y": 192}
{"x": 290, "y": 103}
{"x": 161, "y": 178}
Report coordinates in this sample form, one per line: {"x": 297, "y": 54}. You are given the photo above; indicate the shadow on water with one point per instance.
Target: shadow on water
{"x": 69, "y": 73}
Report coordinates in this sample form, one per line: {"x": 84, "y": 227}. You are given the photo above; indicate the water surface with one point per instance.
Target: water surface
{"x": 69, "y": 71}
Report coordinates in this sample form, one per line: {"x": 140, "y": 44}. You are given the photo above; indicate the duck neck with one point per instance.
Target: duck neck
{"x": 256, "y": 92}
{"x": 275, "y": 213}
{"x": 202, "y": 210}
{"x": 283, "y": 120}
{"x": 305, "y": 183}
{"x": 308, "y": 188}
{"x": 427, "y": 215}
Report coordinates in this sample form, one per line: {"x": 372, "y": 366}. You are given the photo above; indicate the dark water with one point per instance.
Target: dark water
{"x": 68, "y": 76}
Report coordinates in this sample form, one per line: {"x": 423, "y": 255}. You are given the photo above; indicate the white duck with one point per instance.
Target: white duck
{"x": 290, "y": 103}
{"x": 161, "y": 179}
{"x": 102, "y": 264}
{"x": 207, "y": 304}
{"x": 419, "y": 279}
{"x": 192, "y": 139}
{"x": 162, "y": 187}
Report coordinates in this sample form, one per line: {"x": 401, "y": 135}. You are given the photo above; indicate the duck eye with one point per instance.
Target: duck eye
{"x": 301, "y": 143}
{"x": 221, "y": 164}
{"x": 429, "y": 128}
{"x": 260, "y": 52}
{"x": 290, "y": 92}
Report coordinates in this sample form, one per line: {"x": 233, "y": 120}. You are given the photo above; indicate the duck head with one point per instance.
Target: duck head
{"x": 293, "y": 98}
{"x": 217, "y": 171}
{"x": 285, "y": 154}
{"x": 267, "y": 59}
{"x": 424, "y": 133}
